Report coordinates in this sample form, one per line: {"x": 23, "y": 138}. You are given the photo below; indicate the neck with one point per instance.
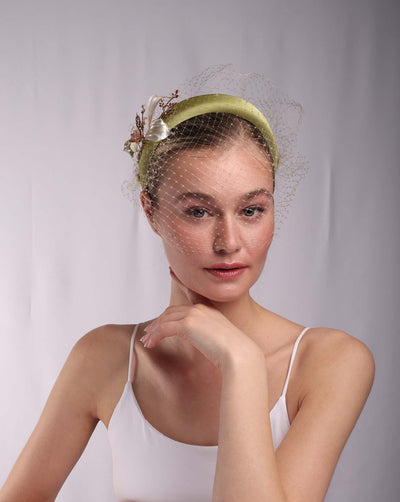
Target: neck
{"x": 242, "y": 312}
{"x": 239, "y": 311}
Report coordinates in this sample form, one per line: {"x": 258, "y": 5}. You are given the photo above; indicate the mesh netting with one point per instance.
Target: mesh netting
{"x": 214, "y": 180}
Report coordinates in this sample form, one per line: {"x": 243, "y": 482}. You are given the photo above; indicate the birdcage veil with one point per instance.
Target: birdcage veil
{"x": 179, "y": 142}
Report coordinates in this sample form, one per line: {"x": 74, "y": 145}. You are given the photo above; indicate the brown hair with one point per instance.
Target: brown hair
{"x": 210, "y": 130}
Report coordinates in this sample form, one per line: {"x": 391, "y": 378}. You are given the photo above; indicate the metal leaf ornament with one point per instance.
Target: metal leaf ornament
{"x": 157, "y": 130}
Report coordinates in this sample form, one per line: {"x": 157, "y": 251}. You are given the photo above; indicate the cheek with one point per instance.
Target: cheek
{"x": 182, "y": 237}
{"x": 258, "y": 237}
{"x": 186, "y": 239}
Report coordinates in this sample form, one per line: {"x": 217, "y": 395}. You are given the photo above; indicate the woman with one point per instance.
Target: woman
{"x": 186, "y": 409}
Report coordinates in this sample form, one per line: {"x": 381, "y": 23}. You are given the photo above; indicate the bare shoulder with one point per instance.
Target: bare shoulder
{"x": 328, "y": 344}
{"x": 103, "y": 350}
{"x": 69, "y": 417}
{"x": 104, "y": 339}
{"x": 336, "y": 372}
{"x": 338, "y": 360}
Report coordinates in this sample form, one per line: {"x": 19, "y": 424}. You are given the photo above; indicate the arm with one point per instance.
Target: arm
{"x": 301, "y": 468}
{"x": 246, "y": 465}
{"x": 62, "y": 432}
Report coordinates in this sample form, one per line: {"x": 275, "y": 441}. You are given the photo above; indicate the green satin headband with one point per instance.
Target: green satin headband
{"x": 199, "y": 105}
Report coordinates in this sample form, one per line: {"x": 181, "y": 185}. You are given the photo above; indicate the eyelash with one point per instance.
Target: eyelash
{"x": 260, "y": 209}
{"x": 190, "y": 211}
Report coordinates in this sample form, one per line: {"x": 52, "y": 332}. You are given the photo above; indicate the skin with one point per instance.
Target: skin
{"x": 196, "y": 379}
{"x": 223, "y": 234}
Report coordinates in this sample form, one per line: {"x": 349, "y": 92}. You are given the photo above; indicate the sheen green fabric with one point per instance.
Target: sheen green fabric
{"x": 210, "y": 103}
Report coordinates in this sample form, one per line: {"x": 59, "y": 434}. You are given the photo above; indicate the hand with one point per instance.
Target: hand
{"x": 205, "y": 327}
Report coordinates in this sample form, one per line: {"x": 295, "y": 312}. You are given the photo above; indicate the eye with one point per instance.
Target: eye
{"x": 196, "y": 212}
{"x": 253, "y": 210}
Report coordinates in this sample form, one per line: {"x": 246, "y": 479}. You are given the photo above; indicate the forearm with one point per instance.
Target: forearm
{"x": 246, "y": 465}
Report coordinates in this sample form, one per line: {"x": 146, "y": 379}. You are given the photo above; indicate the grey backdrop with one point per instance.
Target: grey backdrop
{"x": 75, "y": 254}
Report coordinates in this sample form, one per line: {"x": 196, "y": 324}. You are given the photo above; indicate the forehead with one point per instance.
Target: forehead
{"x": 238, "y": 169}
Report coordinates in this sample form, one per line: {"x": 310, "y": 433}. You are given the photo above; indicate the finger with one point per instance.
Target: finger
{"x": 154, "y": 329}
{"x": 173, "y": 312}
{"x": 164, "y": 329}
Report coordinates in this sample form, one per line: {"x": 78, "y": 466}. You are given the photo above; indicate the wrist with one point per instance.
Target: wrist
{"x": 246, "y": 356}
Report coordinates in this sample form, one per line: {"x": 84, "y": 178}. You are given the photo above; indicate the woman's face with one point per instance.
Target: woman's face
{"x": 216, "y": 209}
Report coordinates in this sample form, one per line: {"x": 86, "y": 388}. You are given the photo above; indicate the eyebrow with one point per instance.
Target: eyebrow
{"x": 210, "y": 198}
{"x": 259, "y": 191}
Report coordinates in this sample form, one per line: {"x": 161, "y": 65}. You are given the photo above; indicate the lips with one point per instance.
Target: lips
{"x": 226, "y": 266}
{"x": 227, "y": 270}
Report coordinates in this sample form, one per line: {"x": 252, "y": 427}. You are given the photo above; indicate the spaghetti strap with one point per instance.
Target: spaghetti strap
{"x": 130, "y": 351}
{"x": 296, "y": 343}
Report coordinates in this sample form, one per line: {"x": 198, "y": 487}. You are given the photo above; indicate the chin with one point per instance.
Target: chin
{"x": 221, "y": 294}
{"x": 225, "y": 298}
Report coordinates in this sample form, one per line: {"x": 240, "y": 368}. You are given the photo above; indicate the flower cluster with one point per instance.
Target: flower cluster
{"x": 135, "y": 142}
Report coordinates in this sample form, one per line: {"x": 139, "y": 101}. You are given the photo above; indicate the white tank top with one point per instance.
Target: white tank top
{"x": 151, "y": 467}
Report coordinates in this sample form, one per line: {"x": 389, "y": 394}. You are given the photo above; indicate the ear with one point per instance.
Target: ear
{"x": 148, "y": 209}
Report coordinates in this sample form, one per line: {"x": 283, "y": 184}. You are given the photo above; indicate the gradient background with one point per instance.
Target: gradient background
{"x": 75, "y": 254}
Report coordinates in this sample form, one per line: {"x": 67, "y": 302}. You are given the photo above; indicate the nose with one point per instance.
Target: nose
{"x": 226, "y": 235}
